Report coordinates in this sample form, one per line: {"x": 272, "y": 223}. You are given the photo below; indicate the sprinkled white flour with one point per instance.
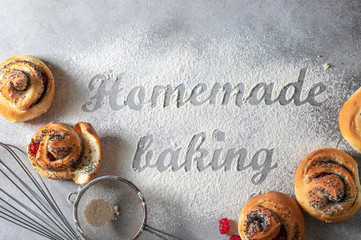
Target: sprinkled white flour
{"x": 180, "y": 48}
{"x": 195, "y": 197}
{"x": 98, "y": 212}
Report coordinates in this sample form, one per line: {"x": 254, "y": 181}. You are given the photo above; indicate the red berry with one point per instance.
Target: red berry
{"x": 33, "y": 147}
{"x": 223, "y": 226}
{"x": 235, "y": 237}
{"x": 51, "y": 157}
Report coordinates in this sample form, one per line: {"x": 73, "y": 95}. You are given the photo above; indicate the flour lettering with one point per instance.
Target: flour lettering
{"x": 196, "y": 157}
{"x": 108, "y": 86}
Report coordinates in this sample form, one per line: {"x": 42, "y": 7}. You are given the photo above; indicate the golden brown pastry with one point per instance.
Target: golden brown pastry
{"x": 58, "y": 151}
{"x": 350, "y": 121}
{"x": 26, "y": 88}
{"x": 327, "y": 185}
{"x": 271, "y": 216}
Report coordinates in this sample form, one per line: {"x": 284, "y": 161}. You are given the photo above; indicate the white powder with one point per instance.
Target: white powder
{"x": 181, "y": 200}
{"x": 191, "y": 47}
{"x": 98, "y": 212}
{"x": 326, "y": 66}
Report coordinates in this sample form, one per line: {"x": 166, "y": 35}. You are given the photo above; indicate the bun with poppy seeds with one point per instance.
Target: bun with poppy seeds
{"x": 26, "y": 88}
{"x": 58, "y": 151}
{"x": 272, "y": 215}
{"x": 327, "y": 185}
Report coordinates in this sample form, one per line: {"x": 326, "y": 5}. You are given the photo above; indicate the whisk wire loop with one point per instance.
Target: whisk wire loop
{"x": 48, "y": 220}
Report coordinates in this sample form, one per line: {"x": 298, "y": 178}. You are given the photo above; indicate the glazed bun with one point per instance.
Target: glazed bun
{"x": 327, "y": 185}
{"x": 272, "y": 215}
{"x": 350, "y": 121}
{"x": 58, "y": 151}
{"x": 26, "y": 88}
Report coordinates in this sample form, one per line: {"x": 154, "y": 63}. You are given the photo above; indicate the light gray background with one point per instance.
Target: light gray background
{"x": 293, "y": 32}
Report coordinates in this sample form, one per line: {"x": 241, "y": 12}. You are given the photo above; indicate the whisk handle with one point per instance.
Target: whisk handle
{"x": 69, "y": 197}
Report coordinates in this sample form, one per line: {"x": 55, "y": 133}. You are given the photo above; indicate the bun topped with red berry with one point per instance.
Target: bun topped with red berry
{"x": 270, "y": 216}
{"x": 26, "y": 88}
{"x": 58, "y": 151}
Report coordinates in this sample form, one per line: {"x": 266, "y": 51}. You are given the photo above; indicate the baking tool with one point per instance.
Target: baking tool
{"x": 132, "y": 220}
{"x": 30, "y": 204}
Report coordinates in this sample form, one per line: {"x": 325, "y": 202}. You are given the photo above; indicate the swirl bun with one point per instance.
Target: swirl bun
{"x": 58, "y": 151}
{"x": 327, "y": 185}
{"x": 26, "y": 88}
{"x": 350, "y": 121}
{"x": 269, "y": 216}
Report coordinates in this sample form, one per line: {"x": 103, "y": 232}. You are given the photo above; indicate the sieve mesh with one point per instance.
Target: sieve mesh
{"x": 132, "y": 210}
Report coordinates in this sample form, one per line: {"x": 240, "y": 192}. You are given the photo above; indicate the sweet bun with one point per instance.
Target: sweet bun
{"x": 87, "y": 168}
{"x": 350, "y": 121}
{"x": 58, "y": 151}
{"x": 26, "y": 88}
{"x": 272, "y": 215}
{"x": 327, "y": 185}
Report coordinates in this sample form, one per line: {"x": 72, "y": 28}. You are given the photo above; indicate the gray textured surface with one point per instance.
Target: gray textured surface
{"x": 290, "y": 32}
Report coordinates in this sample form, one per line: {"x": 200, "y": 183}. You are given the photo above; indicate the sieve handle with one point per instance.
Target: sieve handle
{"x": 159, "y": 233}
{"x": 70, "y": 195}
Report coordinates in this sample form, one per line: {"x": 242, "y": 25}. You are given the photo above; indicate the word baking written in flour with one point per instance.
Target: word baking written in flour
{"x": 196, "y": 154}
{"x": 109, "y": 86}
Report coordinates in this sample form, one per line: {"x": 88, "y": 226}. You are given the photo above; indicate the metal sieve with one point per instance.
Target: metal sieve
{"x": 132, "y": 220}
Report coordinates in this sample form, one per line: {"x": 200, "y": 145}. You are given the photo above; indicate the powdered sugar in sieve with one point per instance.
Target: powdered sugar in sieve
{"x": 132, "y": 218}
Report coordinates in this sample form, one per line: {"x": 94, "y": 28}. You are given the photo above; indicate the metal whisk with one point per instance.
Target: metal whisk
{"x": 30, "y": 204}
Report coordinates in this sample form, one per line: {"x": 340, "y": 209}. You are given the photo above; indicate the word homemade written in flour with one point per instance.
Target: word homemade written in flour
{"x": 109, "y": 86}
{"x": 196, "y": 154}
